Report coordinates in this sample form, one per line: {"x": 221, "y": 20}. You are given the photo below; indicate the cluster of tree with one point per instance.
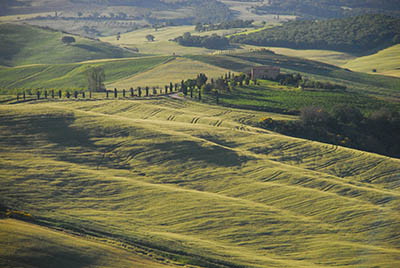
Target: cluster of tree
{"x": 211, "y": 11}
{"x": 299, "y": 81}
{"x": 68, "y": 40}
{"x": 202, "y": 27}
{"x": 96, "y": 77}
{"x": 345, "y": 126}
{"x": 212, "y": 42}
{"x": 328, "y": 8}
{"x": 357, "y": 34}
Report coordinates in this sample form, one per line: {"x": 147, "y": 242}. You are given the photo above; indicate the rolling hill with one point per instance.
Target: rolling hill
{"x": 386, "y": 62}
{"x": 68, "y": 76}
{"x": 196, "y": 182}
{"x": 23, "y": 44}
{"x": 28, "y": 245}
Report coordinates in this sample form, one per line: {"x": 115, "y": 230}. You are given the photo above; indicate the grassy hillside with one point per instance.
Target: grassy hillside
{"x": 386, "y": 62}
{"x": 162, "y": 44}
{"x": 28, "y": 245}
{"x": 195, "y": 180}
{"x": 271, "y": 96}
{"x": 67, "y": 76}
{"x": 379, "y": 86}
{"x": 173, "y": 71}
{"x": 22, "y": 44}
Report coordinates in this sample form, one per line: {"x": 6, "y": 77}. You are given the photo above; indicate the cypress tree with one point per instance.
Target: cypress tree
{"x": 52, "y": 93}
{"x": 45, "y": 94}
{"x": 23, "y": 95}
{"x": 147, "y": 91}
{"x": 38, "y": 94}
{"x": 171, "y": 86}
{"x": 123, "y": 93}
{"x": 139, "y": 91}
{"x": 59, "y": 94}
{"x": 131, "y": 92}
{"x": 115, "y": 93}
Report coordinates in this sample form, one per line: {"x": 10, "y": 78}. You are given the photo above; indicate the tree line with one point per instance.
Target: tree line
{"x": 230, "y": 24}
{"x": 309, "y": 9}
{"x": 359, "y": 34}
{"x": 345, "y": 126}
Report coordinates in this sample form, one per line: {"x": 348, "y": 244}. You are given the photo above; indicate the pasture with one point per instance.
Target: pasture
{"x": 199, "y": 183}
{"x": 28, "y": 245}
{"x": 385, "y": 62}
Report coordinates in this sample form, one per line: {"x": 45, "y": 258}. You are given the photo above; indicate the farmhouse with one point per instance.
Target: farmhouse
{"x": 265, "y": 72}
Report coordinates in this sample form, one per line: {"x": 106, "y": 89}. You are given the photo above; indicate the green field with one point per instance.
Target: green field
{"x": 386, "y": 62}
{"x": 28, "y": 245}
{"x": 70, "y": 76}
{"x": 22, "y": 45}
{"x": 197, "y": 181}
{"x": 271, "y": 96}
{"x": 173, "y": 71}
{"x": 162, "y": 45}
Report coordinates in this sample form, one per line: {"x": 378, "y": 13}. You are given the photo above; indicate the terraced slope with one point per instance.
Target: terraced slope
{"x": 197, "y": 181}
{"x": 28, "y": 245}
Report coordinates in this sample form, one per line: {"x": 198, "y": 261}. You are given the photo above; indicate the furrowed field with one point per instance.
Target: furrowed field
{"x": 198, "y": 183}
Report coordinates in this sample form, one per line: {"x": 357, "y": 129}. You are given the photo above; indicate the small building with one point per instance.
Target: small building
{"x": 265, "y": 72}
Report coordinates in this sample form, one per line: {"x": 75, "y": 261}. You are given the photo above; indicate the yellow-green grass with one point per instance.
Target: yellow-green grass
{"x": 197, "y": 180}
{"x": 326, "y": 56}
{"x": 174, "y": 71}
{"x": 386, "y": 62}
{"x": 27, "y": 245}
{"x": 20, "y": 17}
{"x": 23, "y": 44}
{"x": 162, "y": 44}
{"x": 72, "y": 76}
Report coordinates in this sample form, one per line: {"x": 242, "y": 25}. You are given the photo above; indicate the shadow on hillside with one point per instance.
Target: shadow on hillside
{"x": 185, "y": 151}
{"x": 49, "y": 257}
{"x": 88, "y": 48}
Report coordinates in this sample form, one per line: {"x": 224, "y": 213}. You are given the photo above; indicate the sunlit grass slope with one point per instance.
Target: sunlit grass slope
{"x": 386, "y": 62}
{"x": 196, "y": 180}
{"x": 174, "y": 71}
{"x": 31, "y": 246}
{"x": 73, "y": 75}
{"x": 162, "y": 44}
{"x": 376, "y": 85}
{"x": 23, "y": 44}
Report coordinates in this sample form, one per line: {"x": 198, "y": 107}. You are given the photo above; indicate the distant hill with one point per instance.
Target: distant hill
{"x": 329, "y": 8}
{"x": 22, "y": 44}
{"x": 361, "y": 34}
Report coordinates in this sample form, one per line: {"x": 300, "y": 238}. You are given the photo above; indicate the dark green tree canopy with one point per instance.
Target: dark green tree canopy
{"x": 96, "y": 77}
{"x": 68, "y": 40}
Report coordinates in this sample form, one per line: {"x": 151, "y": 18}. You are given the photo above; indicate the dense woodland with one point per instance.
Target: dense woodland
{"x": 329, "y": 8}
{"x": 359, "y": 34}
